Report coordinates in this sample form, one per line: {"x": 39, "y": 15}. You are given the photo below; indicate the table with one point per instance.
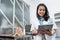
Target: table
{"x": 25, "y": 37}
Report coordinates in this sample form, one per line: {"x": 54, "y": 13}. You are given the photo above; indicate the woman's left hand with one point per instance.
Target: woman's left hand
{"x": 50, "y": 32}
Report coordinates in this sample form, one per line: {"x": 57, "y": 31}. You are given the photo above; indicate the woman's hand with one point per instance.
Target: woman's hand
{"x": 34, "y": 32}
{"x": 50, "y": 32}
{"x": 42, "y": 32}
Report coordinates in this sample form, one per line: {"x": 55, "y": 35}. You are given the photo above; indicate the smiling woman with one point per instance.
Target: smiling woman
{"x": 43, "y": 18}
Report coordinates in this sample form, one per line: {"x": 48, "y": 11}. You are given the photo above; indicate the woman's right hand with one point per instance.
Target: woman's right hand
{"x": 34, "y": 32}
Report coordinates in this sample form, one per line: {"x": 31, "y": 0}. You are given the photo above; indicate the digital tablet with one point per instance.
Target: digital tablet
{"x": 47, "y": 26}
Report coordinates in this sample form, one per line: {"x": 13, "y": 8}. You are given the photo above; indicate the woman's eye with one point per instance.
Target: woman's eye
{"x": 43, "y": 10}
{"x": 40, "y": 9}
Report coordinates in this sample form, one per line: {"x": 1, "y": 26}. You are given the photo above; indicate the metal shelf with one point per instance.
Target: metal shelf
{"x": 14, "y": 10}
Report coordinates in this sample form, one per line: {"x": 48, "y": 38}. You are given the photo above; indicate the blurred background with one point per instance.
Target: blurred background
{"x": 24, "y": 13}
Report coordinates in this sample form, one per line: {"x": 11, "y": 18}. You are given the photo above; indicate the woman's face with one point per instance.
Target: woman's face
{"x": 41, "y": 11}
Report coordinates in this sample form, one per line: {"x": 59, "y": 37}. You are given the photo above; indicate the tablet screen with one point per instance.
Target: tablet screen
{"x": 47, "y": 27}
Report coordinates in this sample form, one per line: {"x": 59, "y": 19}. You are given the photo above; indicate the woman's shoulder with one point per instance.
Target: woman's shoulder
{"x": 50, "y": 20}
{"x": 35, "y": 21}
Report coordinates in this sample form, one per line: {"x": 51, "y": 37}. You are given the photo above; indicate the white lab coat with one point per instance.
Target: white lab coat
{"x": 35, "y": 27}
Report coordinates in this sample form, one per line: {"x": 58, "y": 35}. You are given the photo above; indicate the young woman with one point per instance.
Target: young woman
{"x": 43, "y": 18}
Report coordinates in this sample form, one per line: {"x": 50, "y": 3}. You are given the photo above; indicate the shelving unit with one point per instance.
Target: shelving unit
{"x": 14, "y": 10}
{"x": 57, "y": 21}
{"x": 57, "y": 17}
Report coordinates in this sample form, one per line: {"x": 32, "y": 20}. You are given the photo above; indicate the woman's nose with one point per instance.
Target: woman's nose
{"x": 42, "y": 11}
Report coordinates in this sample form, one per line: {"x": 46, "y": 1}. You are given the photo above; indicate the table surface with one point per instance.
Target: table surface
{"x": 12, "y": 36}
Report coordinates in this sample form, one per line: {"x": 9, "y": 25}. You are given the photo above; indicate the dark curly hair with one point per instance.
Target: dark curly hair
{"x": 46, "y": 16}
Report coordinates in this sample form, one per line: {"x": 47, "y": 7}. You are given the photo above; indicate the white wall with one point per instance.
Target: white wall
{"x": 52, "y": 5}
{"x": 58, "y": 30}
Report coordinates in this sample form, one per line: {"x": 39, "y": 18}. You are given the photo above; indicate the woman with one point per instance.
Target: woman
{"x": 43, "y": 18}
